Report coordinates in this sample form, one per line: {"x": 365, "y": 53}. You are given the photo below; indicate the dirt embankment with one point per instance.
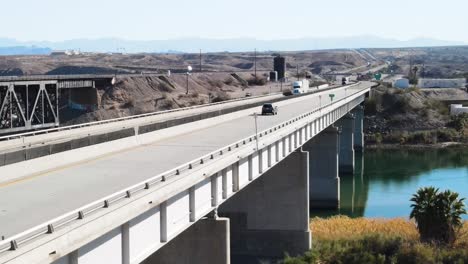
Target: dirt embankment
{"x": 411, "y": 116}
{"x": 138, "y": 95}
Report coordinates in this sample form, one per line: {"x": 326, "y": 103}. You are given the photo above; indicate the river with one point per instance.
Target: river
{"x": 385, "y": 180}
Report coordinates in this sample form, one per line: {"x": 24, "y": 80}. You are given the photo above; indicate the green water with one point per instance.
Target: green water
{"x": 386, "y": 179}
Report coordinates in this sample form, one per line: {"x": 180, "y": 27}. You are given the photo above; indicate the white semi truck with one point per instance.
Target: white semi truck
{"x": 300, "y": 87}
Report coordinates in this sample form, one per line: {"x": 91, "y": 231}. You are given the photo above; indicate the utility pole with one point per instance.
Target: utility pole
{"x": 255, "y": 63}
{"x": 200, "y": 61}
{"x": 186, "y": 92}
{"x": 189, "y": 69}
{"x": 297, "y": 69}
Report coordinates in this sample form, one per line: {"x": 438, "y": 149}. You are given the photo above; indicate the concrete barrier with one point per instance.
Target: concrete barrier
{"x": 14, "y": 157}
{"x": 37, "y": 152}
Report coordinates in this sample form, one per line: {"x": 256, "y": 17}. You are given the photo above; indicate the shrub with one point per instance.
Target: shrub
{"x": 421, "y": 137}
{"x": 447, "y": 135}
{"x": 166, "y": 104}
{"x": 438, "y": 106}
{"x": 194, "y": 94}
{"x": 215, "y": 83}
{"x": 220, "y": 97}
{"x": 257, "y": 81}
{"x": 437, "y": 214}
{"x": 129, "y": 103}
{"x": 229, "y": 81}
{"x": 378, "y": 138}
{"x": 416, "y": 254}
{"x": 459, "y": 122}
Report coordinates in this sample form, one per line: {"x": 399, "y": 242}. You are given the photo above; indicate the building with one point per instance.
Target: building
{"x": 280, "y": 66}
{"x": 273, "y": 76}
{"x": 442, "y": 83}
{"x": 402, "y": 83}
{"x": 457, "y": 109}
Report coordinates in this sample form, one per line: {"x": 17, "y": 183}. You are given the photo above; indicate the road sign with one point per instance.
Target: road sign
{"x": 378, "y": 76}
{"x": 331, "y": 96}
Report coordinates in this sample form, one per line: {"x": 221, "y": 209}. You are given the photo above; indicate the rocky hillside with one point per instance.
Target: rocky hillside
{"x": 138, "y": 95}
{"x": 393, "y": 113}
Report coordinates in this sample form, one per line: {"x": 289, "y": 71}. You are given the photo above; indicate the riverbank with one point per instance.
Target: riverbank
{"x": 341, "y": 239}
{"x": 443, "y": 145}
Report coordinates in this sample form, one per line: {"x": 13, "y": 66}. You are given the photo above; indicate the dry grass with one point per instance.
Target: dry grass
{"x": 343, "y": 227}
{"x": 463, "y": 236}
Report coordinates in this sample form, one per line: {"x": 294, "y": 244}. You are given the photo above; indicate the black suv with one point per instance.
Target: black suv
{"x": 269, "y": 109}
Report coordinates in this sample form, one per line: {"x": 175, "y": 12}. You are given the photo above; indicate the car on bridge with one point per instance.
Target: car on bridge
{"x": 269, "y": 109}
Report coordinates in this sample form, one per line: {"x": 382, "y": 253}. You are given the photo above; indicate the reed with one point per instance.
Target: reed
{"x": 346, "y": 228}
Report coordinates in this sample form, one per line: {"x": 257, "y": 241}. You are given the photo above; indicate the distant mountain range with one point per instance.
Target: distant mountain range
{"x": 11, "y": 46}
{"x": 23, "y": 50}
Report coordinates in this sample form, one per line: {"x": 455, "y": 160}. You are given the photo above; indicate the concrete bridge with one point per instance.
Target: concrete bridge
{"x": 205, "y": 190}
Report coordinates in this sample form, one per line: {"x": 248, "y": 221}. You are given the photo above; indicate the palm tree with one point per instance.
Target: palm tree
{"x": 437, "y": 214}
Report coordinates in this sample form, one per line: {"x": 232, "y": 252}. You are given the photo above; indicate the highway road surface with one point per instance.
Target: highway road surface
{"x": 39, "y": 198}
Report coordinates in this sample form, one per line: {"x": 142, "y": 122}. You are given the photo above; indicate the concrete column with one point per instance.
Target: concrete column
{"x": 206, "y": 242}
{"x": 346, "y": 124}
{"x": 358, "y": 113}
{"x": 271, "y": 215}
{"x": 323, "y": 161}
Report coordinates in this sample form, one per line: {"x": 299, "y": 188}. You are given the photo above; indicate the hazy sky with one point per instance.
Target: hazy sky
{"x": 167, "y": 19}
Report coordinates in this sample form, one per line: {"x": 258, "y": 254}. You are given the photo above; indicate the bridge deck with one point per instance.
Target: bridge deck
{"x": 38, "y": 198}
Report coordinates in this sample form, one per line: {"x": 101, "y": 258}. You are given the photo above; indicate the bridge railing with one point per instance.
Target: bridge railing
{"x": 49, "y": 227}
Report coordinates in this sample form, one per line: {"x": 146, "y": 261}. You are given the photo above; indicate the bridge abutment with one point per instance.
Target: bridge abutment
{"x": 271, "y": 215}
{"x": 206, "y": 242}
{"x": 346, "y": 159}
{"x": 323, "y": 161}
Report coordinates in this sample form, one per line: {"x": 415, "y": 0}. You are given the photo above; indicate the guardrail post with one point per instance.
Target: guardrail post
{"x": 192, "y": 204}
{"x": 50, "y": 229}
{"x": 13, "y": 245}
{"x": 163, "y": 221}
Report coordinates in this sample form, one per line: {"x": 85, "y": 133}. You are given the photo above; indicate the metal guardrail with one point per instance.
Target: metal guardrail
{"x": 14, "y": 242}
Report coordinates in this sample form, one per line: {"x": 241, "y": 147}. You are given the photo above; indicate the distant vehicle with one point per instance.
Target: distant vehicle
{"x": 300, "y": 87}
{"x": 248, "y": 94}
{"x": 345, "y": 80}
{"x": 269, "y": 109}
{"x": 288, "y": 93}
{"x": 297, "y": 91}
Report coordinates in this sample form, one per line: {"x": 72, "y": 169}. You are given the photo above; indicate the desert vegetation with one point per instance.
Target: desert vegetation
{"x": 413, "y": 117}
{"x": 436, "y": 234}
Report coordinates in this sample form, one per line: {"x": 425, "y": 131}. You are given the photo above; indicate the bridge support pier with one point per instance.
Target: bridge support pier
{"x": 358, "y": 113}
{"x": 271, "y": 215}
{"x": 323, "y": 160}
{"x": 347, "y": 158}
{"x": 206, "y": 242}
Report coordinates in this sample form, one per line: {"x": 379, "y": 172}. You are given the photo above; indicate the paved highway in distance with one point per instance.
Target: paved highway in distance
{"x": 39, "y": 198}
